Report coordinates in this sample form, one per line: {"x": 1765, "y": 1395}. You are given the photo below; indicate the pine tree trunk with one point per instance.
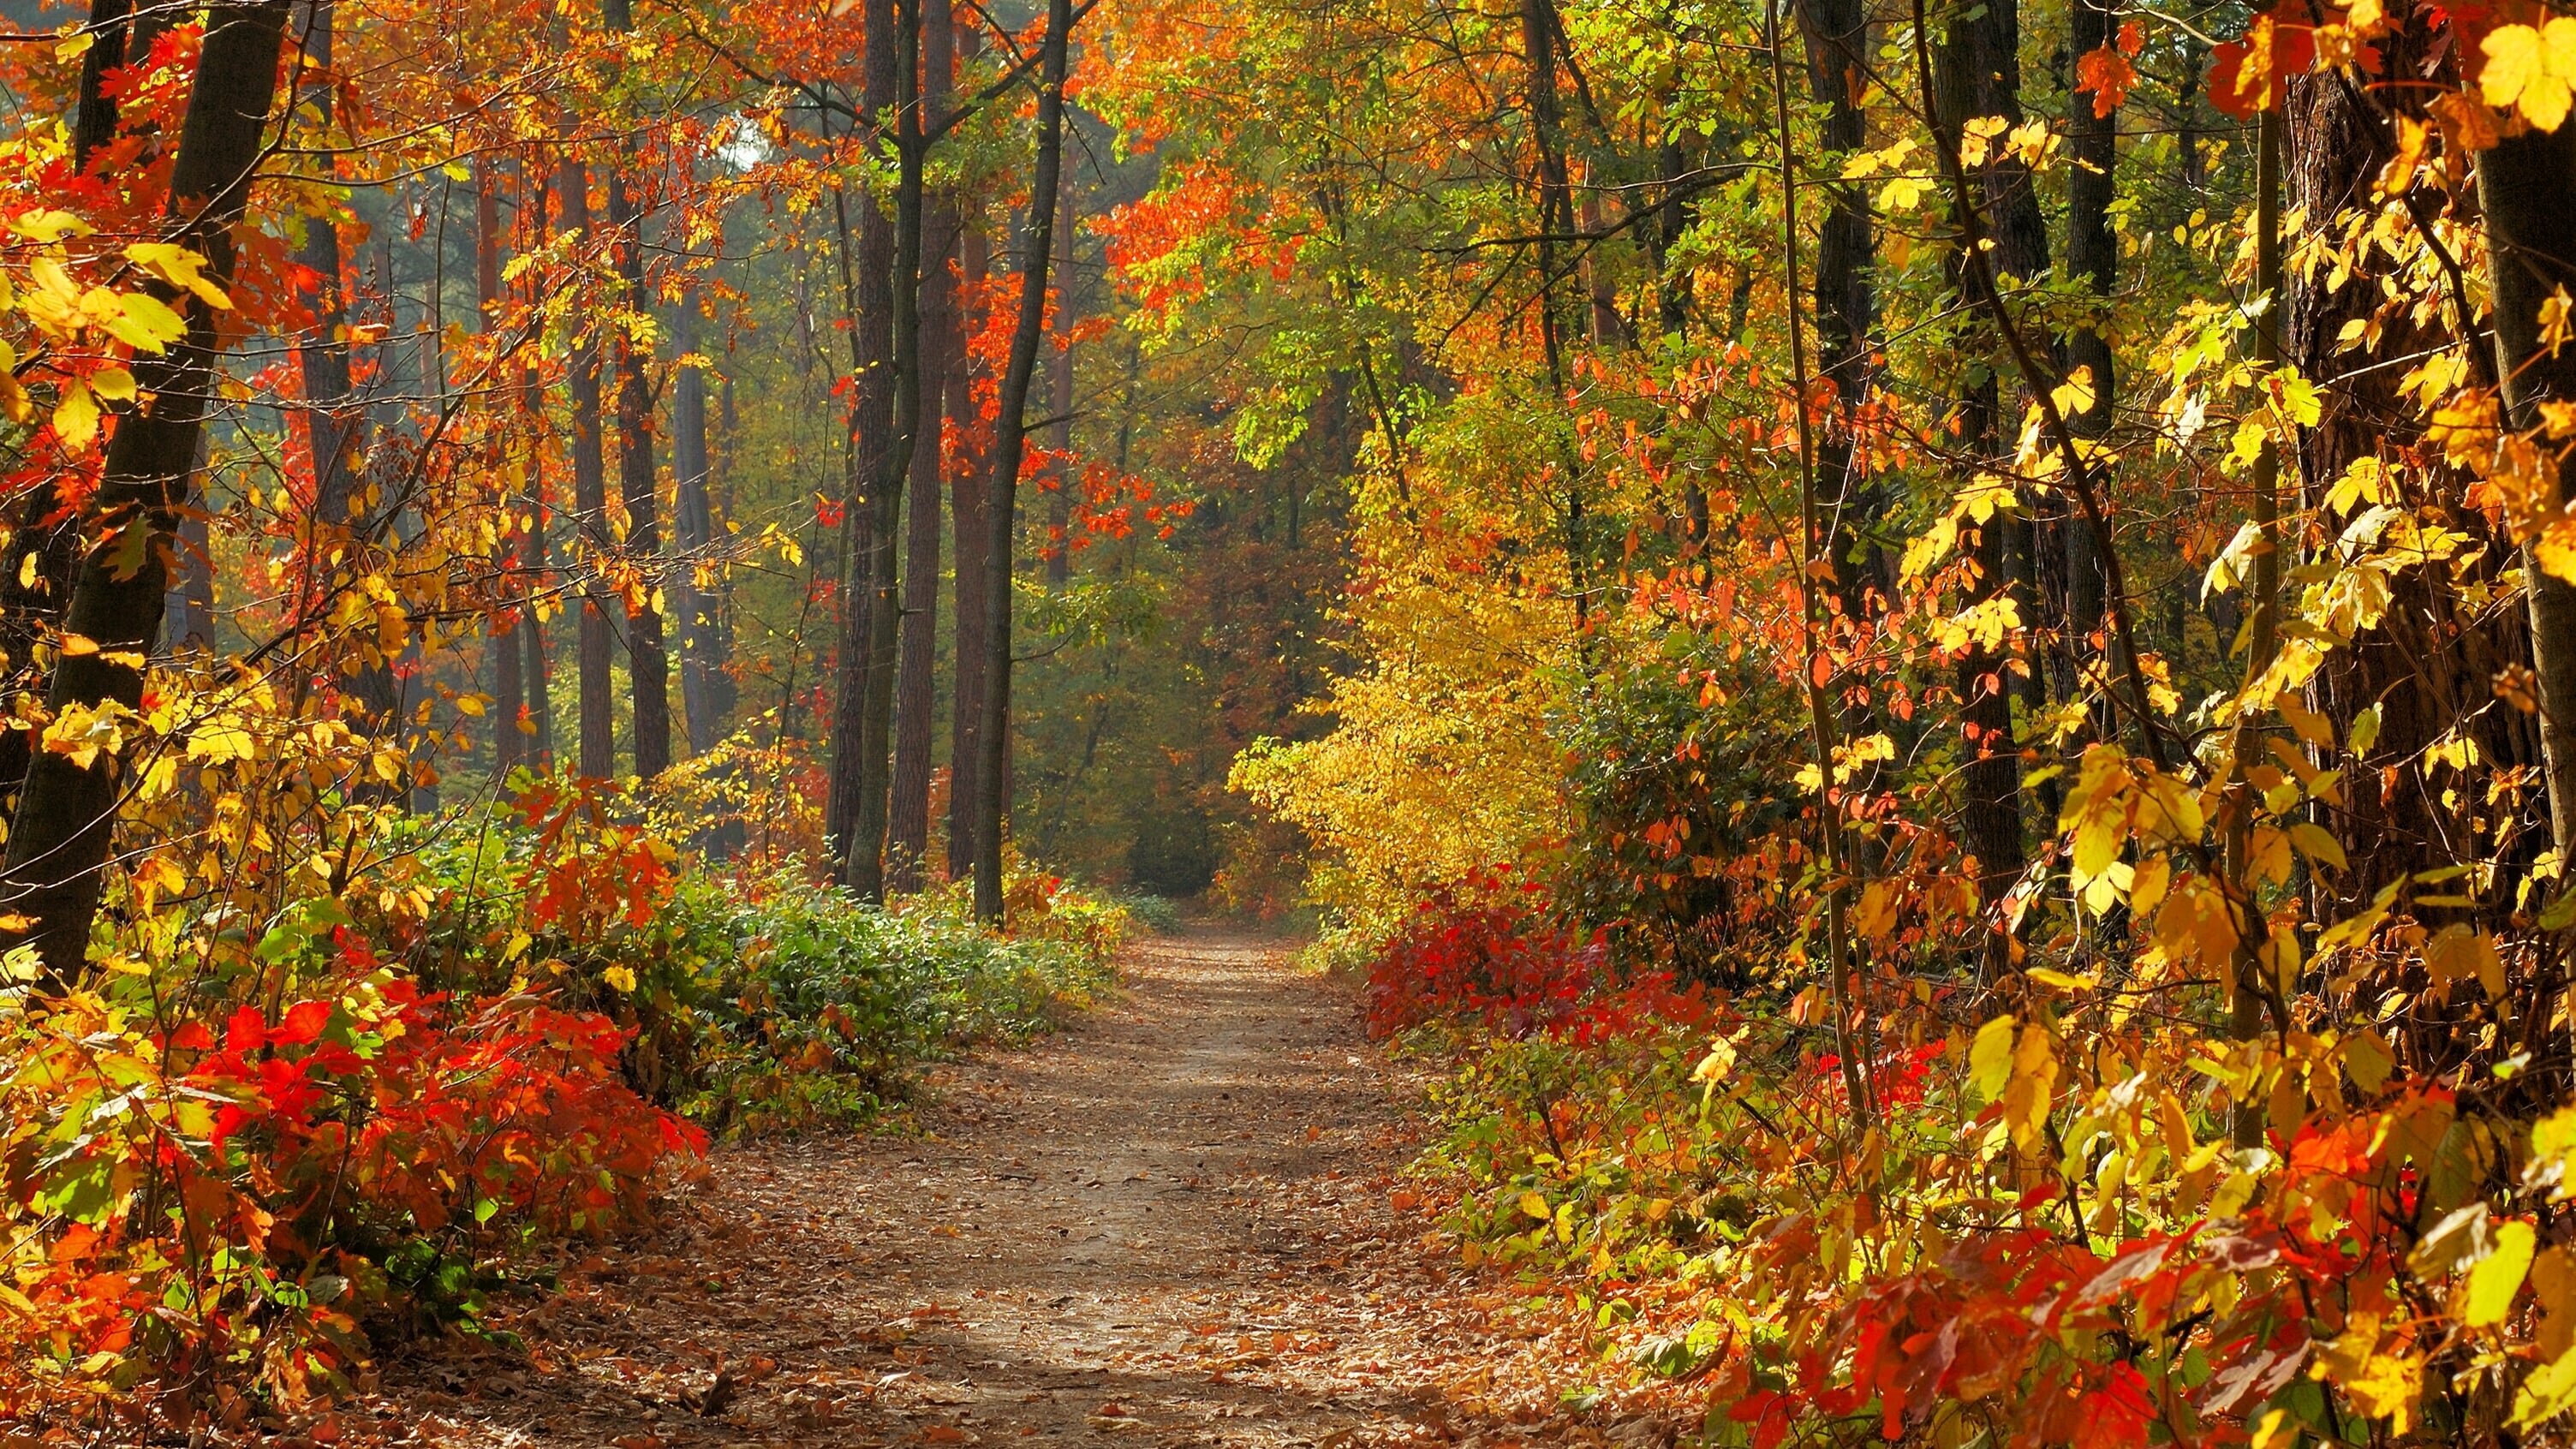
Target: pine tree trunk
{"x": 1010, "y": 444}
{"x": 532, "y": 630}
{"x": 60, "y": 834}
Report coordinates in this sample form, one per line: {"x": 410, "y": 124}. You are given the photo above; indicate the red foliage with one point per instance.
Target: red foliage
{"x": 1483, "y": 950}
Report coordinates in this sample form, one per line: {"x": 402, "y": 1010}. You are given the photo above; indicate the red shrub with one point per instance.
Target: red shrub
{"x": 1482, "y": 950}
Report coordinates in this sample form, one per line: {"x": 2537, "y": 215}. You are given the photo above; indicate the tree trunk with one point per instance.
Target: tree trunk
{"x": 535, "y": 669}
{"x": 854, "y": 813}
{"x": 1059, "y": 546}
{"x": 648, "y": 664}
{"x": 917, "y": 688}
{"x": 1836, "y": 40}
{"x": 1975, "y": 74}
{"x": 2092, "y": 257}
{"x": 705, "y": 695}
{"x": 60, "y": 835}
{"x": 2527, "y": 188}
{"x": 1010, "y": 442}
{"x": 974, "y": 584}
{"x": 598, "y": 724}
{"x": 509, "y": 659}
{"x": 48, "y": 528}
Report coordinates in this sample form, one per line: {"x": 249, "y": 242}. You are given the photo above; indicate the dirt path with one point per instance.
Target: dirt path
{"x": 1173, "y": 1223}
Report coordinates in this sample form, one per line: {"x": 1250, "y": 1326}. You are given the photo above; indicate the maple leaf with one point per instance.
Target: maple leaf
{"x": 2106, "y": 72}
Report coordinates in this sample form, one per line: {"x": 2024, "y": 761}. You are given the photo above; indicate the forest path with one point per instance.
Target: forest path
{"x": 1174, "y": 1223}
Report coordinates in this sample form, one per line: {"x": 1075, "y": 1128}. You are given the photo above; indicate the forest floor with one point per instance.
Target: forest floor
{"x": 1180, "y": 1221}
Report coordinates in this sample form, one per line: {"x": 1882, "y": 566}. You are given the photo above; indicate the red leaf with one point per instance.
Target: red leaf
{"x": 246, "y": 1032}
{"x": 302, "y": 1024}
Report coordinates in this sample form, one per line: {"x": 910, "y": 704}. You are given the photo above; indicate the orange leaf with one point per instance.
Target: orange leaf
{"x": 2108, "y": 75}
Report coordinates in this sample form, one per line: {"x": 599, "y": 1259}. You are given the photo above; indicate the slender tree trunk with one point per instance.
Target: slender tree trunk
{"x": 598, "y": 723}
{"x": 648, "y": 664}
{"x": 854, "y": 813}
{"x": 1010, "y": 443}
{"x": 60, "y": 835}
{"x": 508, "y": 657}
{"x": 1836, "y": 40}
{"x": 1972, "y": 71}
{"x": 532, "y": 402}
{"x": 974, "y": 584}
{"x": 864, "y": 865}
{"x": 2527, "y": 189}
{"x": 701, "y": 666}
{"x": 32, "y": 596}
{"x": 2092, "y": 257}
{"x": 1059, "y": 546}
{"x": 916, "y": 690}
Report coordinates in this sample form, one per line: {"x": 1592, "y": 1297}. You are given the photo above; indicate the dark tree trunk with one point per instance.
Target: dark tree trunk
{"x": 60, "y": 835}
{"x": 1059, "y": 544}
{"x": 2093, "y": 258}
{"x": 974, "y": 589}
{"x": 32, "y": 598}
{"x": 702, "y": 653}
{"x": 532, "y": 630}
{"x": 2527, "y": 188}
{"x": 2433, "y": 658}
{"x": 917, "y": 687}
{"x": 598, "y": 705}
{"x": 508, "y": 657}
{"x": 1836, "y": 36}
{"x": 648, "y": 664}
{"x": 898, "y": 40}
{"x": 1010, "y": 442}
{"x": 1976, "y": 74}
{"x": 855, "y": 812}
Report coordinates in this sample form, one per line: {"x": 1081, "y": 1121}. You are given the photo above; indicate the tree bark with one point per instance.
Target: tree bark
{"x": 2527, "y": 189}
{"x": 974, "y": 584}
{"x": 48, "y": 528}
{"x": 1059, "y": 546}
{"x": 1976, "y": 74}
{"x": 2092, "y": 257}
{"x": 648, "y": 664}
{"x": 916, "y": 690}
{"x": 596, "y": 685}
{"x": 706, "y": 689}
{"x": 508, "y": 658}
{"x": 1836, "y": 40}
{"x": 1010, "y": 443}
{"x": 60, "y": 835}
{"x": 854, "y": 813}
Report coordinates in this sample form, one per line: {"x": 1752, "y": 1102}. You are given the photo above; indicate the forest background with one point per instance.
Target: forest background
{"x": 1934, "y": 644}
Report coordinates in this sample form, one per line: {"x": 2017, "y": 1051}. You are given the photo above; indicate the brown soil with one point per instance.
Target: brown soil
{"x": 1176, "y": 1223}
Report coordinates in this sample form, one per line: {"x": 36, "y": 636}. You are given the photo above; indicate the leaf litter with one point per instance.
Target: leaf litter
{"x": 1184, "y": 1221}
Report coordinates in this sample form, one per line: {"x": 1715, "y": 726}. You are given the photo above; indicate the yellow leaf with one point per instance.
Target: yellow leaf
{"x": 2497, "y": 1277}
{"x": 2317, "y": 845}
{"x": 621, "y": 977}
{"x": 471, "y": 706}
{"x": 76, "y": 416}
{"x": 1990, "y": 1057}
{"x": 113, "y": 383}
{"x": 1536, "y": 1206}
{"x": 2033, "y": 1087}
